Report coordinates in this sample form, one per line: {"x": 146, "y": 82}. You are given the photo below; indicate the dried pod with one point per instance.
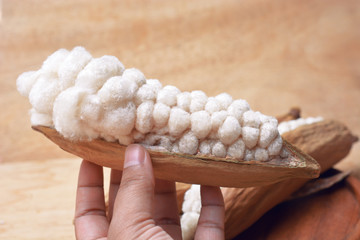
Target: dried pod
{"x": 226, "y": 172}
{"x": 327, "y": 141}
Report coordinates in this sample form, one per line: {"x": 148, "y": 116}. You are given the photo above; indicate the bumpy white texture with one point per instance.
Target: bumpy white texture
{"x": 201, "y": 124}
{"x": 188, "y": 143}
{"x": 26, "y": 81}
{"x": 144, "y": 120}
{"x": 224, "y": 100}
{"x": 167, "y": 95}
{"x": 219, "y": 149}
{"x": 237, "y": 149}
{"x": 161, "y": 114}
{"x": 198, "y": 101}
{"x": 191, "y": 212}
{"x": 97, "y": 72}
{"x": 74, "y": 62}
{"x": 184, "y": 100}
{"x": 148, "y": 91}
{"x": 192, "y": 201}
{"x": 85, "y": 98}
{"x": 293, "y": 124}
{"x": 229, "y": 131}
{"x": 179, "y": 121}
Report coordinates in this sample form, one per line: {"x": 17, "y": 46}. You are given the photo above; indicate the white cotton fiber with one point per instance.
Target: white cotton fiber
{"x": 237, "y": 149}
{"x": 200, "y": 124}
{"x": 188, "y": 143}
{"x": 213, "y": 135}
{"x": 117, "y": 90}
{"x": 179, "y": 121}
{"x": 135, "y": 75}
{"x": 229, "y": 131}
{"x": 268, "y": 131}
{"x": 85, "y": 98}
{"x": 74, "y": 62}
{"x": 162, "y": 130}
{"x": 249, "y": 155}
{"x": 206, "y": 146}
{"x": 251, "y": 119}
{"x": 261, "y": 154}
{"x": 292, "y": 124}
{"x": 217, "y": 119}
{"x": 97, "y": 71}
{"x": 91, "y": 110}
{"x": 189, "y": 222}
{"x": 167, "y": 95}
{"x": 192, "y": 199}
{"x": 147, "y": 92}
{"x": 212, "y": 105}
{"x": 250, "y": 136}
{"x": 219, "y": 149}
{"x": 119, "y": 121}
{"x": 43, "y": 93}
{"x": 26, "y": 81}
{"x": 275, "y": 147}
{"x": 164, "y": 142}
{"x": 156, "y": 84}
{"x": 144, "y": 120}
{"x": 51, "y": 64}
{"x": 175, "y": 147}
{"x": 161, "y": 114}
{"x": 184, "y": 100}
{"x": 65, "y": 114}
{"x": 191, "y": 211}
{"x": 224, "y": 100}
{"x": 237, "y": 108}
{"x": 40, "y": 119}
{"x": 198, "y": 101}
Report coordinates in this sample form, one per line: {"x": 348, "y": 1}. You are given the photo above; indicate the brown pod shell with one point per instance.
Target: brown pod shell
{"x": 195, "y": 169}
{"x": 327, "y": 141}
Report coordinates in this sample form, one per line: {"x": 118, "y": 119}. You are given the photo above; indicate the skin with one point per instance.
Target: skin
{"x": 140, "y": 206}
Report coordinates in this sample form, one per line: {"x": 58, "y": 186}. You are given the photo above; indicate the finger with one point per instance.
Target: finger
{"x": 115, "y": 178}
{"x": 90, "y": 215}
{"x": 166, "y": 211}
{"x": 133, "y": 205}
{"x": 212, "y": 215}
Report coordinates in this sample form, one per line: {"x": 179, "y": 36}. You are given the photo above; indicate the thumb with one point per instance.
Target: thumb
{"x": 134, "y": 201}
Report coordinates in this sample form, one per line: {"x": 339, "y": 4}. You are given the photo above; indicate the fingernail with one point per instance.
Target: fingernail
{"x": 134, "y": 155}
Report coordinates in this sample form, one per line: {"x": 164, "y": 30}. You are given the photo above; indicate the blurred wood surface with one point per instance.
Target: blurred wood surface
{"x": 275, "y": 54}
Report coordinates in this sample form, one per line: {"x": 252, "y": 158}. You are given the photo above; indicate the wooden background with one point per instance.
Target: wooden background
{"x": 276, "y": 54}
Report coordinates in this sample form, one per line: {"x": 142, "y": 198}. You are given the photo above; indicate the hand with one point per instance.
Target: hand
{"x": 140, "y": 207}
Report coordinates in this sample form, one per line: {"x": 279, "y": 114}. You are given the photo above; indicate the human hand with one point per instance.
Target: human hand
{"x": 140, "y": 207}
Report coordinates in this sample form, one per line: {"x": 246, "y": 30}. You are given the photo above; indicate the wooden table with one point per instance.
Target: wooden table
{"x": 275, "y": 54}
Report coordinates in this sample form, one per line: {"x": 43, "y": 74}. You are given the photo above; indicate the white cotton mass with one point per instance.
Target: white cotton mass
{"x": 85, "y": 98}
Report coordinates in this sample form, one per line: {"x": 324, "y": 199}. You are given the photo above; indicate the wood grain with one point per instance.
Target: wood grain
{"x": 275, "y": 54}
{"x": 36, "y": 200}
